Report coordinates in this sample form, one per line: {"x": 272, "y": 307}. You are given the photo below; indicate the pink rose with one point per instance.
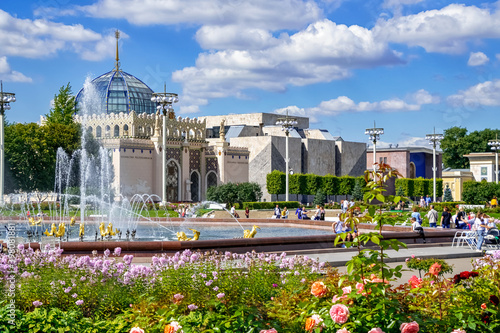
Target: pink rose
{"x": 136, "y": 330}
{"x": 376, "y": 330}
{"x": 409, "y": 327}
{"x": 339, "y": 313}
{"x": 343, "y": 330}
{"x": 272, "y": 330}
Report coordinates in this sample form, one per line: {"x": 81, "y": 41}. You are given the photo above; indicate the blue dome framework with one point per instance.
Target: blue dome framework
{"x": 122, "y": 92}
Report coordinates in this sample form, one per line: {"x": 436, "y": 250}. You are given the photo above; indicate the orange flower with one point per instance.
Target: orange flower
{"x": 483, "y": 306}
{"x": 318, "y": 289}
{"x": 310, "y": 323}
{"x": 169, "y": 329}
{"x": 435, "y": 269}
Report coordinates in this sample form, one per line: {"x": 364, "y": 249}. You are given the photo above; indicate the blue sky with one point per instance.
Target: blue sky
{"x": 409, "y": 65}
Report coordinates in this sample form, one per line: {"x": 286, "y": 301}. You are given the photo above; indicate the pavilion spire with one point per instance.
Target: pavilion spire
{"x": 117, "y": 60}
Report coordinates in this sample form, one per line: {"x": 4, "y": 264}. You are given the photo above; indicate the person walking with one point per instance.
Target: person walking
{"x": 445, "y": 218}
{"x": 277, "y": 212}
{"x": 432, "y": 215}
{"x": 481, "y": 231}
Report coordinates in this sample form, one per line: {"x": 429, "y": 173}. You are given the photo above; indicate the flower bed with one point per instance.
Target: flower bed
{"x": 227, "y": 292}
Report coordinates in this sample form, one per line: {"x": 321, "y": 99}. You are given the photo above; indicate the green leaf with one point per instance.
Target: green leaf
{"x": 380, "y": 197}
{"x": 375, "y": 239}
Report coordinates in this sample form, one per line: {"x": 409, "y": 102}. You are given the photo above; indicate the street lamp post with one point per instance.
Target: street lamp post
{"x": 374, "y": 134}
{"x": 164, "y": 101}
{"x": 5, "y": 99}
{"x": 495, "y": 145}
{"x": 434, "y": 140}
{"x": 286, "y": 124}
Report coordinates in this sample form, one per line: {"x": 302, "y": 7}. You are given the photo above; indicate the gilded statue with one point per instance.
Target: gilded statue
{"x": 62, "y": 229}
{"x": 250, "y": 234}
{"x": 33, "y": 222}
{"x": 53, "y": 230}
{"x": 181, "y": 236}
{"x": 82, "y": 230}
{"x": 72, "y": 221}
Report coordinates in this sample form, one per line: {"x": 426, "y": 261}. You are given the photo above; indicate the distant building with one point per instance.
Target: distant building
{"x": 310, "y": 150}
{"x": 455, "y": 179}
{"x": 482, "y": 166}
{"x": 411, "y": 162}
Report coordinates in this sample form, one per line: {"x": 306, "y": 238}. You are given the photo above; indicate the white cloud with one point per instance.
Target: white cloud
{"x": 414, "y": 141}
{"x": 344, "y": 104}
{"x": 477, "y": 59}
{"x": 8, "y": 74}
{"x": 264, "y": 14}
{"x": 323, "y": 52}
{"x": 482, "y": 94}
{"x": 445, "y": 30}
{"x": 41, "y": 38}
{"x": 397, "y": 5}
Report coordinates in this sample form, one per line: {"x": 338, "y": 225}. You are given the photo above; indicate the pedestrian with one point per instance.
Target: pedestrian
{"x": 322, "y": 215}
{"x": 298, "y": 212}
{"x": 233, "y": 210}
{"x": 494, "y": 202}
{"x": 445, "y": 218}
{"x": 277, "y": 212}
{"x": 284, "y": 213}
{"x": 416, "y": 215}
{"x": 428, "y": 201}
{"x": 247, "y": 212}
{"x": 432, "y": 215}
{"x": 422, "y": 202}
{"x": 416, "y": 227}
{"x": 480, "y": 225}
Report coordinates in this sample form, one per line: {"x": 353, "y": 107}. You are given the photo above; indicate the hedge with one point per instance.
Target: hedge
{"x": 309, "y": 184}
{"x": 270, "y": 205}
{"x": 479, "y": 192}
{"x": 418, "y": 187}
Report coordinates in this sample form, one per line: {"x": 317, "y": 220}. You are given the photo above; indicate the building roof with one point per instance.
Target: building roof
{"x": 115, "y": 92}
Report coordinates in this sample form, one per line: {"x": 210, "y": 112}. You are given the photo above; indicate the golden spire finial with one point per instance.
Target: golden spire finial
{"x": 117, "y": 36}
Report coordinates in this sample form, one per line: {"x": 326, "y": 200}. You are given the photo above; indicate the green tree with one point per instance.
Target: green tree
{"x": 30, "y": 151}
{"x": 275, "y": 182}
{"x": 457, "y": 143}
{"x": 231, "y": 193}
{"x": 447, "y": 194}
{"x": 319, "y": 198}
{"x": 64, "y": 107}
{"x": 357, "y": 192}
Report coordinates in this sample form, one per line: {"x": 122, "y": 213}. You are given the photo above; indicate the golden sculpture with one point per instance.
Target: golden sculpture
{"x": 73, "y": 221}
{"x": 62, "y": 229}
{"x": 250, "y": 234}
{"x": 181, "y": 236}
{"x": 53, "y": 230}
{"x": 107, "y": 231}
{"x": 33, "y": 222}
{"x": 82, "y": 230}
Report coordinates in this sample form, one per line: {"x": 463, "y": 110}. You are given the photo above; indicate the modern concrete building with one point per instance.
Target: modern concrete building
{"x": 310, "y": 150}
{"x": 411, "y": 162}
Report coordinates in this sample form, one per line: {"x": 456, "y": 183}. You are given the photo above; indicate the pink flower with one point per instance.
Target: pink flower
{"x": 136, "y": 330}
{"x": 339, "y": 313}
{"x": 413, "y": 256}
{"x": 314, "y": 322}
{"x": 347, "y": 290}
{"x": 272, "y": 330}
{"x": 435, "y": 269}
{"x": 409, "y": 327}
{"x": 360, "y": 287}
{"x": 415, "y": 282}
{"x": 458, "y": 330}
{"x": 376, "y": 330}
{"x": 343, "y": 330}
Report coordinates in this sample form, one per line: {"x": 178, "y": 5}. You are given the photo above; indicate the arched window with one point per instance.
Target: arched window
{"x": 211, "y": 179}
{"x": 116, "y": 131}
{"x": 98, "y": 132}
{"x": 89, "y": 129}
{"x": 412, "y": 170}
{"x": 108, "y": 130}
{"x": 195, "y": 187}
{"x": 125, "y": 130}
{"x": 172, "y": 181}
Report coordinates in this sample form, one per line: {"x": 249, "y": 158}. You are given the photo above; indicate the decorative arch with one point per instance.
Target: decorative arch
{"x": 211, "y": 179}
{"x": 413, "y": 170}
{"x": 116, "y": 131}
{"x": 108, "y": 130}
{"x": 90, "y": 129}
{"x": 125, "y": 130}
{"x": 173, "y": 184}
{"x": 98, "y": 132}
{"x": 195, "y": 186}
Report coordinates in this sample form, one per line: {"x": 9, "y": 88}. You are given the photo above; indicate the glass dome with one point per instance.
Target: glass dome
{"x": 122, "y": 92}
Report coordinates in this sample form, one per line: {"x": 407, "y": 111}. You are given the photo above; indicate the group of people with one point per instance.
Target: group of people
{"x": 346, "y": 204}
{"x": 339, "y": 227}
{"x": 300, "y": 212}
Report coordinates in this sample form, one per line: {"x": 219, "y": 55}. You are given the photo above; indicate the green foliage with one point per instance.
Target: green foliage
{"x": 319, "y": 198}
{"x": 313, "y": 183}
{"x": 357, "y": 192}
{"x": 30, "y": 151}
{"x": 447, "y": 194}
{"x": 457, "y": 143}
{"x": 479, "y": 192}
{"x": 64, "y": 107}
{"x": 232, "y": 193}
{"x": 346, "y": 185}
{"x": 407, "y": 186}
{"x": 423, "y": 265}
{"x": 330, "y": 185}
{"x": 275, "y": 182}
{"x": 420, "y": 187}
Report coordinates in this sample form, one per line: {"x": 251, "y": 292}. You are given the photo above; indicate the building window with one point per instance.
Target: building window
{"x": 98, "y": 132}
{"x": 385, "y": 160}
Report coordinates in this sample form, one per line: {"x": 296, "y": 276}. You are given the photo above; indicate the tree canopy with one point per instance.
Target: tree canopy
{"x": 457, "y": 143}
{"x": 64, "y": 107}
